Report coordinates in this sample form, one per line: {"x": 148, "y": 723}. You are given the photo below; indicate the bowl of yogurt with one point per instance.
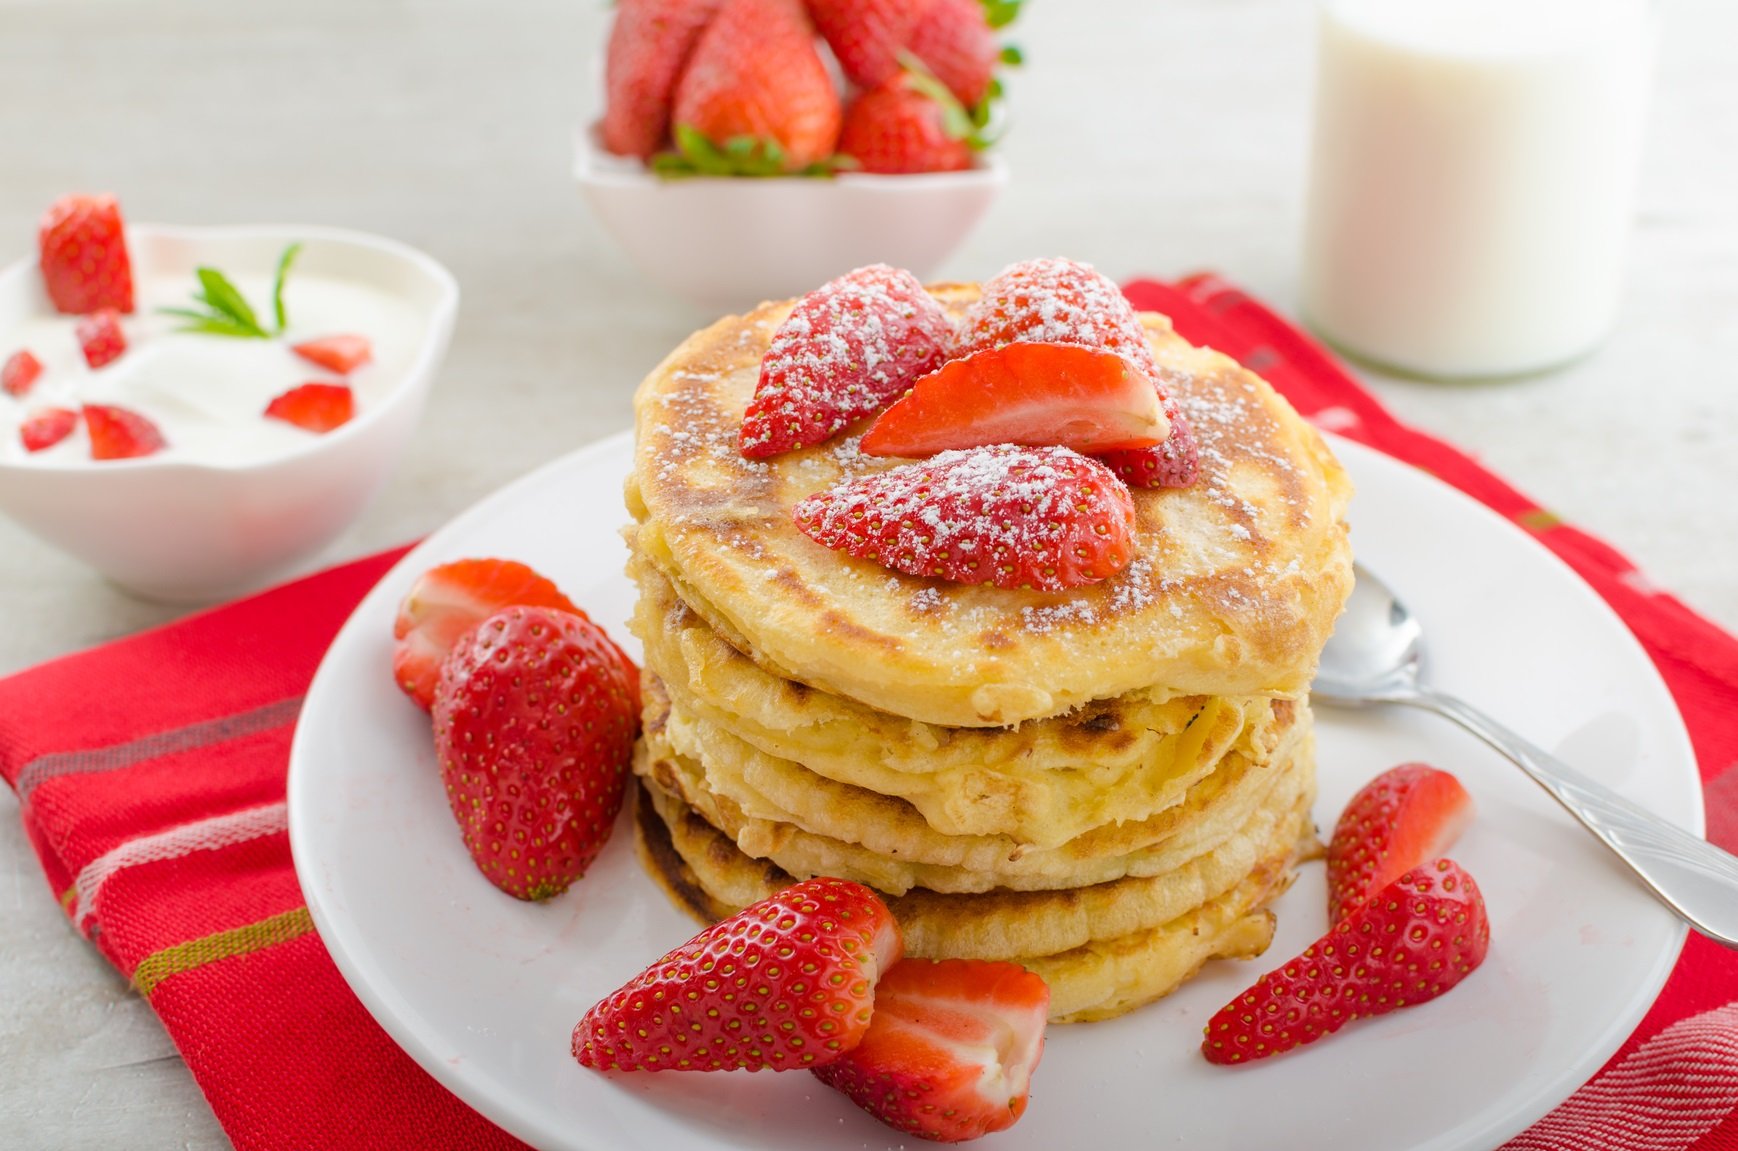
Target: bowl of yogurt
{"x": 232, "y": 500}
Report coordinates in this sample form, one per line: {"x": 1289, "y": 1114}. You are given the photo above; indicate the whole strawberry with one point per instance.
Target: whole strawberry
{"x": 649, "y": 45}
{"x": 786, "y": 983}
{"x": 534, "y": 722}
{"x": 899, "y": 128}
{"x": 1038, "y": 517}
{"x": 1411, "y": 942}
{"x": 755, "y": 75}
{"x": 867, "y": 36}
{"x": 1063, "y": 301}
{"x": 848, "y": 349}
{"x": 950, "y": 1052}
{"x": 954, "y": 41}
{"x": 83, "y": 247}
{"x": 1404, "y": 816}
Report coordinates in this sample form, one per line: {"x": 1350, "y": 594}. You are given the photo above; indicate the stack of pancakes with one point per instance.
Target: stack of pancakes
{"x": 1107, "y": 785}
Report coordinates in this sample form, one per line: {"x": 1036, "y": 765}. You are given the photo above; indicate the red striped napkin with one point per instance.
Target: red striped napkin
{"x": 150, "y": 776}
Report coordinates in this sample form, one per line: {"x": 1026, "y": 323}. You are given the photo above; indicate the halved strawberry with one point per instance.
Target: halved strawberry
{"x": 450, "y": 599}
{"x": 1045, "y": 518}
{"x": 20, "y": 373}
{"x": 1078, "y": 397}
{"x": 100, "y": 337}
{"x": 846, "y": 350}
{"x": 1404, "y": 816}
{"x": 83, "y": 248}
{"x": 314, "y": 407}
{"x": 534, "y": 723}
{"x": 649, "y": 45}
{"x": 341, "y": 354}
{"x": 1411, "y": 942}
{"x": 47, "y": 427}
{"x": 789, "y": 982}
{"x": 950, "y": 1052}
{"x": 755, "y": 75}
{"x": 1063, "y": 301}
{"x": 119, "y": 433}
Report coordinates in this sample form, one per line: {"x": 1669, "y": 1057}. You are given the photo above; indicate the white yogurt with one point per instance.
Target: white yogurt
{"x": 208, "y": 394}
{"x": 1472, "y": 178}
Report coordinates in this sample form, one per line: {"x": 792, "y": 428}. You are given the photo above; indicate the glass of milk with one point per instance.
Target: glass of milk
{"x": 1472, "y": 179}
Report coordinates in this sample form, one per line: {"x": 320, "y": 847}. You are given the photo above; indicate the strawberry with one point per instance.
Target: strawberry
{"x": 1412, "y": 941}
{"x": 84, "y": 256}
{"x": 315, "y": 407}
{"x": 1081, "y": 398}
{"x": 534, "y": 722}
{"x": 1046, "y": 518}
{"x": 1061, "y": 301}
{"x": 1404, "y": 816}
{"x": 100, "y": 337}
{"x": 898, "y": 128}
{"x": 20, "y": 373}
{"x": 649, "y": 44}
{"x": 843, "y": 353}
{"x": 951, "y": 1049}
{"x": 786, "y": 983}
{"x": 866, "y": 36}
{"x": 341, "y": 354}
{"x": 449, "y": 600}
{"x": 45, "y": 428}
{"x": 120, "y": 433}
{"x": 755, "y": 74}
{"x": 954, "y": 41}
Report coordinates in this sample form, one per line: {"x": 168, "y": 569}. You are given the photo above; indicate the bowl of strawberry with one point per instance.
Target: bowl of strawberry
{"x": 195, "y": 411}
{"x": 749, "y": 149}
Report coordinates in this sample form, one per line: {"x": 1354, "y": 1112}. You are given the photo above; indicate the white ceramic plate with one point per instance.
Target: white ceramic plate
{"x": 483, "y": 991}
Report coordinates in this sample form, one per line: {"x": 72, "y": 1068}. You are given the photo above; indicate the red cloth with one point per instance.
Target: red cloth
{"x": 150, "y": 774}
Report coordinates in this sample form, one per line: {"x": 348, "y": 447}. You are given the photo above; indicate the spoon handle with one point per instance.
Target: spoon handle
{"x": 1690, "y": 875}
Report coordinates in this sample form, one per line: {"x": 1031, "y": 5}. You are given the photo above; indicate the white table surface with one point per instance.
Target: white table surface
{"x": 1147, "y": 137}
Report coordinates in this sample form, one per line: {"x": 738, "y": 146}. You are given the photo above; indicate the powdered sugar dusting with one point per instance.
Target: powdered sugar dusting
{"x": 845, "y": 351}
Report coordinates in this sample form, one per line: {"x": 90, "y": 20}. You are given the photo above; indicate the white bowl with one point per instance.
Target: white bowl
{"x": 730, "y": 243}
{"x": 186, "y": 529}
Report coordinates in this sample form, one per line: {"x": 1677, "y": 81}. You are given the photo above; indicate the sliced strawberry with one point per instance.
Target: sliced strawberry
{"x": 314, "y": 407}
{"x": 897, "y": 128}
{"x": 120, "y": 433}
{"x": 951, "y": 1050}
{"x": 449, "y": 600}
{"x": 341, "y": 354}
{"x": 100, "y": 337}
{"x": 1414, "y": 940}
{"x": 1404, "y": 816}
{"x": 83, "y": 248}
{"x": 845, "y": 351}
{"x": 20, "y": 373}
{"x": 1081, "y": 398}
{"x": 649, "y": 45}
{"x": 789, "y": 982}
{"x": 534, "y": 723}
{"x": 954, "y": 41}
{"x": 1062, "y": 301}
{"x": 755, "y": 75}
{"x": 866, "y": 36}
{"x": 1045, "y": 518}
{"x": 47, "y": 427}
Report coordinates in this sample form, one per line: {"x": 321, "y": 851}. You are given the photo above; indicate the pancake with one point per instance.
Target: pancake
{"x": 1102, "y": 950}
{"x": 1234, "y": 587}
{"x": 1041, "y": 783}
{"x": 1212, "y": 813}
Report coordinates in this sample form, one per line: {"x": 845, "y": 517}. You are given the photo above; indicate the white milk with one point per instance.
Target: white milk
{"x": 1472, "y": 178}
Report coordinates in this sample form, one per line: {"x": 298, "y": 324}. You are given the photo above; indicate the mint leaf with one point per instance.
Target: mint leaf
{"x": 284, "y": 262}
{"x": 223, "y": 298}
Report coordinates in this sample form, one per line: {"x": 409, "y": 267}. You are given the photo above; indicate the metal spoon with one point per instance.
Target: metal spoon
{"x": 1375, "y": 656}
